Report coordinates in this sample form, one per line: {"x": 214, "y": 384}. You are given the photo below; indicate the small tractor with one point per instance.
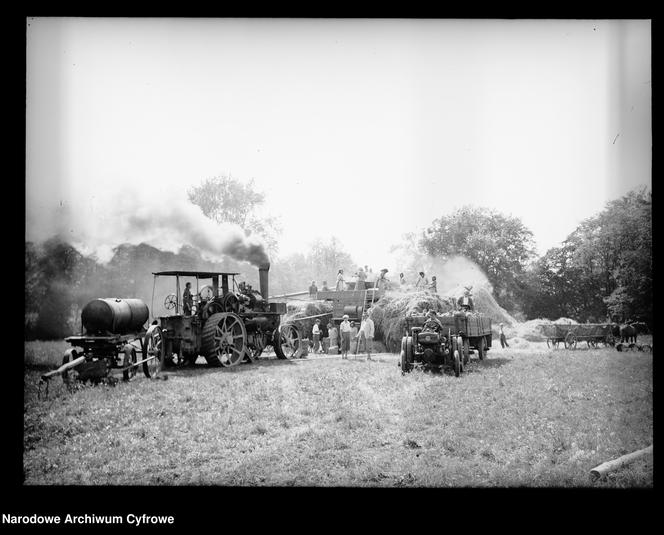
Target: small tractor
{"x": 229, "y": 322}
{"x": 445, "y": 342}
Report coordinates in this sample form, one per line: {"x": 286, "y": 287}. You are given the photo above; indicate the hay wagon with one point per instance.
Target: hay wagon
{"x": 570, "y": 335}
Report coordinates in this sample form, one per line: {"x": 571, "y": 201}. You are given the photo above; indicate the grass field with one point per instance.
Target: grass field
{"x": 528, "y": 416}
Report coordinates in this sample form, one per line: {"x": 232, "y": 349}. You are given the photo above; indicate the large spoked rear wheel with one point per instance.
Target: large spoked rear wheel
{"x": 153, "y": 346}
{"x": 224, "y": 339}
{"x": 287, "y": 342}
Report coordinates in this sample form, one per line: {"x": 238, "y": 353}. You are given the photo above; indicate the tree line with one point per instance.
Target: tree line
{"x": 602, "y": 271}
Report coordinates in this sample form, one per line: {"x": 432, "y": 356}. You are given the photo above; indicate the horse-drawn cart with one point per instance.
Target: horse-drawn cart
{"x": 570, "y": 335}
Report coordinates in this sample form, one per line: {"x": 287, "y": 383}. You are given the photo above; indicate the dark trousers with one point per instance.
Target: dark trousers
{"x": 503, "y": 341}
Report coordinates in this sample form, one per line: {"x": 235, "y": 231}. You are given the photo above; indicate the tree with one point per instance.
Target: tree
{"x": 225, "y": 199}
{"x": 502, "y": 246}
{"x": 603, "y": 268}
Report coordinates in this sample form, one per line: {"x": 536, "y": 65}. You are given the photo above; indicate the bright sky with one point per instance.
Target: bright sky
{"x": 359, "y": 129}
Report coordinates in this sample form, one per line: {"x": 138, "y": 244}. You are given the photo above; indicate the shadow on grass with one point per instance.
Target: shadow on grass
{"x": 496, "y": 362}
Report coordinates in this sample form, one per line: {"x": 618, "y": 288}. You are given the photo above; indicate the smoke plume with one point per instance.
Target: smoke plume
{"x": 165, "y": 221}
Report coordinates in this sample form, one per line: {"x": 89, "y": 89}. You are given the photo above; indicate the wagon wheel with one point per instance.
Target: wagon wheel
{"x": 170, "y": 302}
{"x": 224, "y": 339}
{"x": 406, "y": 355}
{"x": 570, "y": 341}
{"x": 286, "y": 341}
{"x": 481, "y": 348}
{"x": 591, "y": 343}
{"x": 129, "y": 359}
{"x": 466, "y": 350}
{"x": 153, "y": 346}
{"x": 69, "y": 376}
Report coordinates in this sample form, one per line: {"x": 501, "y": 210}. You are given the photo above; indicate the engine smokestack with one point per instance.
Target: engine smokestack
{"x": 263, "y": 278}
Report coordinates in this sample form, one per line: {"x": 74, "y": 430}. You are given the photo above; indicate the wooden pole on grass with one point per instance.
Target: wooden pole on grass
{"x": 613, "y": 465}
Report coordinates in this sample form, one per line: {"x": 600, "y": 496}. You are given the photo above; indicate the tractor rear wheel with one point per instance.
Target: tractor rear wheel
{"x": 406, "y": 355}
{"x": 286, "y": 342}
{"x": 224, "y": 339}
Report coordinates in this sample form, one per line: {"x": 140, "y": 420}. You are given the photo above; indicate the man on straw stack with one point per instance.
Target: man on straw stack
{"x": 465, "y": 302}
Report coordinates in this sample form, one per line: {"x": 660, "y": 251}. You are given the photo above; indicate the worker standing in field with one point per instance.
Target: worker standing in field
{"x": 334, "y": 338}
{"x": 344, "y": 330}
{"x": 187, "y": 300}
{"x": 503, "y": 338}
{"x": 340, "y": 281}
{"x": 315, "y": 332}
{"x": 365, "y": 333}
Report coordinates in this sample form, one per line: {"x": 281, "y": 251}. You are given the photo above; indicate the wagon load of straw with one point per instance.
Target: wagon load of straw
{"x": 389, "y": 314}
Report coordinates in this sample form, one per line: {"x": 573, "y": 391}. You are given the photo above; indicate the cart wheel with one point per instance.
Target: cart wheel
{"x": 153, "y": 347}
{"x": 129, "y": 359}
{"x": 288, "y": 344}
{"x": 481, "y": 348}
{"x": 69, "y": 376}
{"x": 406, "y": 355}
{"x": 457, "y": 363}
{"x": 466, "y": 350}
{"x": 570, "y": 341}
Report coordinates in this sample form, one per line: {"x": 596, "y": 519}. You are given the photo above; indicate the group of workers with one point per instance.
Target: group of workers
{"x": 347, "y": 337}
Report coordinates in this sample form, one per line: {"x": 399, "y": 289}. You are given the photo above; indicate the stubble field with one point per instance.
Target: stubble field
{"x": 528, "y": 416}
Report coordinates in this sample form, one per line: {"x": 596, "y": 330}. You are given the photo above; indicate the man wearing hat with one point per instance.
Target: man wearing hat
{"x": 344, "y": 330}
{"x": 432, "y": 323}
{"x": 503, "y": 339}
{"x": 465, "y": 302}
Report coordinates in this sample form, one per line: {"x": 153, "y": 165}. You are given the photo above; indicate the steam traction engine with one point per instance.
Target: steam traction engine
{"x": 448, "y": 345}
{"x": 229, "y": 322}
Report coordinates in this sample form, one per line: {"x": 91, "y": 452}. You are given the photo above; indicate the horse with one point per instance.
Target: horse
{"x": 629, "y": 331}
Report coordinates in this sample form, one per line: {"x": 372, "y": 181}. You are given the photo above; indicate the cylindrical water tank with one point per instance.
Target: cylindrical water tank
{"x": 113, "y": 315}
